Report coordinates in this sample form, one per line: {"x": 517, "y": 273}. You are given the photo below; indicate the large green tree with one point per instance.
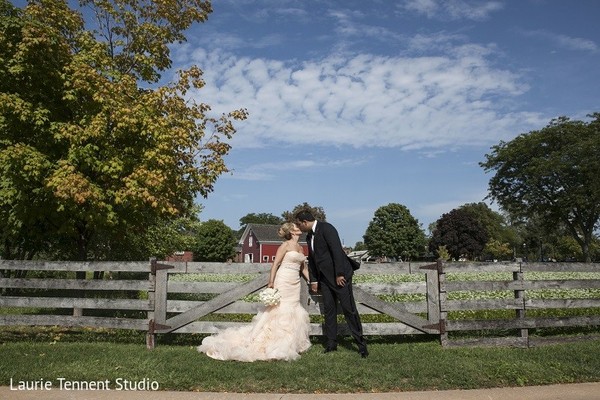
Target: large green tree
{"x": 494, "y": 223}
{"x": 503, "y": 238}
{"x": 551, "y": 173}
{"x": 317, "y": 212}
{"x": 460, "y": 233}
{"x": 89, "y": 148}
{"x": 394, "y": 232}
{"x": 159, "y": 240}
{"x": 543, "y": 242}
{"x": 260, "y": 218}
{"x": 215, "y": 242}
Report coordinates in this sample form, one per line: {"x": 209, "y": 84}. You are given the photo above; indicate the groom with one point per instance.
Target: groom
{"x": 330, "y": 270}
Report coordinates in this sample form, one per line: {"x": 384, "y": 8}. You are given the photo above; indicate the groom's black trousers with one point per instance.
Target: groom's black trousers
{"x": 331, "y": 295}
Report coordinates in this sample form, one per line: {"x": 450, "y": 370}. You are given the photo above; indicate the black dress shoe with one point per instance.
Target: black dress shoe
{"x": 329, "y": 349}
{"x": 362, "y": 350}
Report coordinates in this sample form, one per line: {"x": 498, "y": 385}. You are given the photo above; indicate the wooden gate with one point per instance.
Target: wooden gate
{"x": 409, "y": 321}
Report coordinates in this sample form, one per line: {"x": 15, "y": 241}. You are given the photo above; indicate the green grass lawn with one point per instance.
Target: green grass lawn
{"x": 395, "y": 364}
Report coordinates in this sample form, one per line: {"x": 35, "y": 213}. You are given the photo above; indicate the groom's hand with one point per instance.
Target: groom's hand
{"x": 314, "y": 287}
{"x": 341, "y": 281}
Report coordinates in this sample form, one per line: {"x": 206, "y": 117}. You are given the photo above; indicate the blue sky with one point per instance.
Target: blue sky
{"x": 357, "y": 104}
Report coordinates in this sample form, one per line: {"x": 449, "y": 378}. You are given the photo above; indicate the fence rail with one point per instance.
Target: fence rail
{"x": 421, "y": 298}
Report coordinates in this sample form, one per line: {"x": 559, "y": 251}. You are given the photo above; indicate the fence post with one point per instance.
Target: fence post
{"x": 520, "y": 295}
{"x": 150, "y": 336}
{"x": 157, "y": 318}
{"x": 434, "y": 274}
{"x": 433, "y": 295}
{"x": 443, "y": 298}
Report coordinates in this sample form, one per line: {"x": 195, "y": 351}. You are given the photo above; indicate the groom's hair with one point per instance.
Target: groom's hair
{"x": 304, "y": 215}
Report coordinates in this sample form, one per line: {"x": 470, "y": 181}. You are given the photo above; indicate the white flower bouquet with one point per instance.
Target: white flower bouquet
{"x": 269, "y": 297}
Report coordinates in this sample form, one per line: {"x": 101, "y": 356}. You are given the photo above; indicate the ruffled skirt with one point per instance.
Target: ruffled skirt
{"x": 279, "y": 332}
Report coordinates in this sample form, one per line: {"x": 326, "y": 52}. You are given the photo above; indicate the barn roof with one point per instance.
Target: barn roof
{"x": 266, "y": 233}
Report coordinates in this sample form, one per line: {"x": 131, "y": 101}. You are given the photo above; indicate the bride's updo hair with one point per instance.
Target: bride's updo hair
{"x": 286, "y": 230}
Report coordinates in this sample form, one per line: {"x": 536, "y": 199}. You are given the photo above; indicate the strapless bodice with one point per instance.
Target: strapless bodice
{"x": 294, "y": 257}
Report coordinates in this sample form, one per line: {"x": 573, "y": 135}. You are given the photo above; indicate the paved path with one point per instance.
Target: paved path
{"x": 582, "y": 391}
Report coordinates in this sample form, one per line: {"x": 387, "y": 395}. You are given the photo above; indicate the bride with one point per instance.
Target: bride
{"x": 280, "y": 332}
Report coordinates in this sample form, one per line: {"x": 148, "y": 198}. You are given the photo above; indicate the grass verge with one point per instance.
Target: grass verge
{"x": 395, "y": 364}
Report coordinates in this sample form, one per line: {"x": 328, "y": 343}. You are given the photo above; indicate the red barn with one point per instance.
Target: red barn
{"x": 259, "y": 243}
{"x": 181, "y": 256}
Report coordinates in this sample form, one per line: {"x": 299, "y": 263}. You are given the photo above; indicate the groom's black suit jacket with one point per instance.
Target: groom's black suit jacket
{"x": 327, "y": 260}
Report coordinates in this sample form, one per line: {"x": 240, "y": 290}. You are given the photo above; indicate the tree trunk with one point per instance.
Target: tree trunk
{"x": 585, "y": 248}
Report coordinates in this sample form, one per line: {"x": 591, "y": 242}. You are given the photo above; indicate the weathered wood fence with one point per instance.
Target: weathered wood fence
{"x": 527, "y": 290}
{"x": 419, "y": 298}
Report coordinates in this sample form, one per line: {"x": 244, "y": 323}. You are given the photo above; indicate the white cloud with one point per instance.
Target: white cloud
{"x": 426, "y": 103}
{"x": 270, "y": 170}
{"x": 426, "y": 44}
{"x": 348, "y": 25}
{"x": 428, "y": 7}
{"x": 564, "y": 41}
{"x": 454, "y": 9}
{"x": 293, "y": 12}
{"x": 250, "y": 175}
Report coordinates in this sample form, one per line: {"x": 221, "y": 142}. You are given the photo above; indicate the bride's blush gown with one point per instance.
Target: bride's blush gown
{"x": 279, "y": 332}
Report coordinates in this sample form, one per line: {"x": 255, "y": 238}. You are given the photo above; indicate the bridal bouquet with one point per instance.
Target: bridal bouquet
{"x": 269, "y": 297}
